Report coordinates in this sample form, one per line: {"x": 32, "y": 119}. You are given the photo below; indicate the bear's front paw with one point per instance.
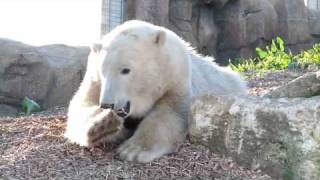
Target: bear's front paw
{"x": 131, "y": 150}
{"x": 105, "y": 129}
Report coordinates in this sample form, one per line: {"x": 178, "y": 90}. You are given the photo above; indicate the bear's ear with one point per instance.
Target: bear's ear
{"x": 96, "y": 47}
{"x": 160, "y": 37}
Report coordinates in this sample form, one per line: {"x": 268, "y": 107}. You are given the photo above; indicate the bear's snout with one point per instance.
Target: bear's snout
{"x": 121, "y": 111}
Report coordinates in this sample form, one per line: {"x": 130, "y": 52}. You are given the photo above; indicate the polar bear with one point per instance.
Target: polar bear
{"x": 143, "y": 76}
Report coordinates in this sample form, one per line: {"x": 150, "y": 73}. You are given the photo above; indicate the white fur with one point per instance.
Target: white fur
{"x": 208, "y": 77}
{"x": 165, "y": 75}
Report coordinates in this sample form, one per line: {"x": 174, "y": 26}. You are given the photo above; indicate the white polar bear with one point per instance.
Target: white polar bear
{"x": 143, "y": 71}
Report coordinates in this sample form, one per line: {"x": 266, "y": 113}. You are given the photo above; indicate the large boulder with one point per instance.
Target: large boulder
{"x": 305, "y": 86}
{"x": 279, "y": 136}
{"x": 23, "y": 71}
{"x": 68, "y": 65}
{"x": 48, "y": 74}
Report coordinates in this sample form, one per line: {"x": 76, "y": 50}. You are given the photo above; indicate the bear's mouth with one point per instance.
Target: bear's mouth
{"x": 123, "y": 112}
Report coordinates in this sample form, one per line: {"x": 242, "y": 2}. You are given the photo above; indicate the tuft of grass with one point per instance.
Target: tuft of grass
{"x": 275, "y": 57}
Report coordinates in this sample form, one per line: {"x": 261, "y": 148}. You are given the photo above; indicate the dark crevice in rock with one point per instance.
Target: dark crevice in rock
{"x": 248, "y": 12}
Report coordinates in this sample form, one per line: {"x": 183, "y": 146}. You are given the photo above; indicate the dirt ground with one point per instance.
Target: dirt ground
{"x": 33, "y": 147}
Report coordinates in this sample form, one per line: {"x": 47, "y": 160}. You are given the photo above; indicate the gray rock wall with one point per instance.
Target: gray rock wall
{"x": 232, "y": 28}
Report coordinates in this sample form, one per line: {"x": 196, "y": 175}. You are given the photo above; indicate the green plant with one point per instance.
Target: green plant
{"x": 275, "y": 57}
{"x": 242, "y": 65}
{"x": 309, "y": 57}
{"x": 29, "y": 106}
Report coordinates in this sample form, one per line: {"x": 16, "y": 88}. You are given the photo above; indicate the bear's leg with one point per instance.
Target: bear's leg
{"x": 158, "y": 134}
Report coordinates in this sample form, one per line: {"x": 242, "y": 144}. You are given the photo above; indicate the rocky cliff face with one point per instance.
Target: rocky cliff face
{"x": 229, "y": 29}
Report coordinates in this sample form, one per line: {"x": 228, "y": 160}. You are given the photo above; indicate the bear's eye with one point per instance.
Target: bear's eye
{"x": 125, "y": 71}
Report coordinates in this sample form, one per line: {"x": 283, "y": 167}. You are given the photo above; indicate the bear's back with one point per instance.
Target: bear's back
{"x": 208, "y": 77}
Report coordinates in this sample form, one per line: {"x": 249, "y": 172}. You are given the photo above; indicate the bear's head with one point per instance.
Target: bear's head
{"x": 138, "y": 63}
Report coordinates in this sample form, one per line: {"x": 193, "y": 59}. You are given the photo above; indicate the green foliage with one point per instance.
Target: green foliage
{"x": 29, "y": 106}
{"x": 242, "y": 65}
{"x": 275, "y": 57}
{"x": 309, "y": 57}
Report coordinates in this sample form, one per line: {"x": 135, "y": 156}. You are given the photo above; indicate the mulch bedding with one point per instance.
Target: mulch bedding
{"x": 33, "y": 147}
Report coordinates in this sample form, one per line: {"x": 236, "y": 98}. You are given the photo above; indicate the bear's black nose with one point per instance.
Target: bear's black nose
{"x": 107, "y": 106}
{"x": 123, "y": 112}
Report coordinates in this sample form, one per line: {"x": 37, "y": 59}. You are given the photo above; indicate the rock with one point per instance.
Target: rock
{"x": 10, "y": 100}
{"x": 293, "y": 21}
{"x": 23, "y": 71}
{"x": 314, "y": 23}
{"x": 207, "y": 31}
{"x": 68, "y": 65}
{"x": 244, "y": 25}
{"x": 7, "y": 111}
{"x": 48, "y": 74}
{"x": 156, "y": 12}
{"x": 279, "y": 136}
{"x": 305, "y": 86}
{"x": 182, "y": 20}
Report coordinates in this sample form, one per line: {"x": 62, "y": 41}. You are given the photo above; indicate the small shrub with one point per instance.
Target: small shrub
{"x": 29, "y": 106}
